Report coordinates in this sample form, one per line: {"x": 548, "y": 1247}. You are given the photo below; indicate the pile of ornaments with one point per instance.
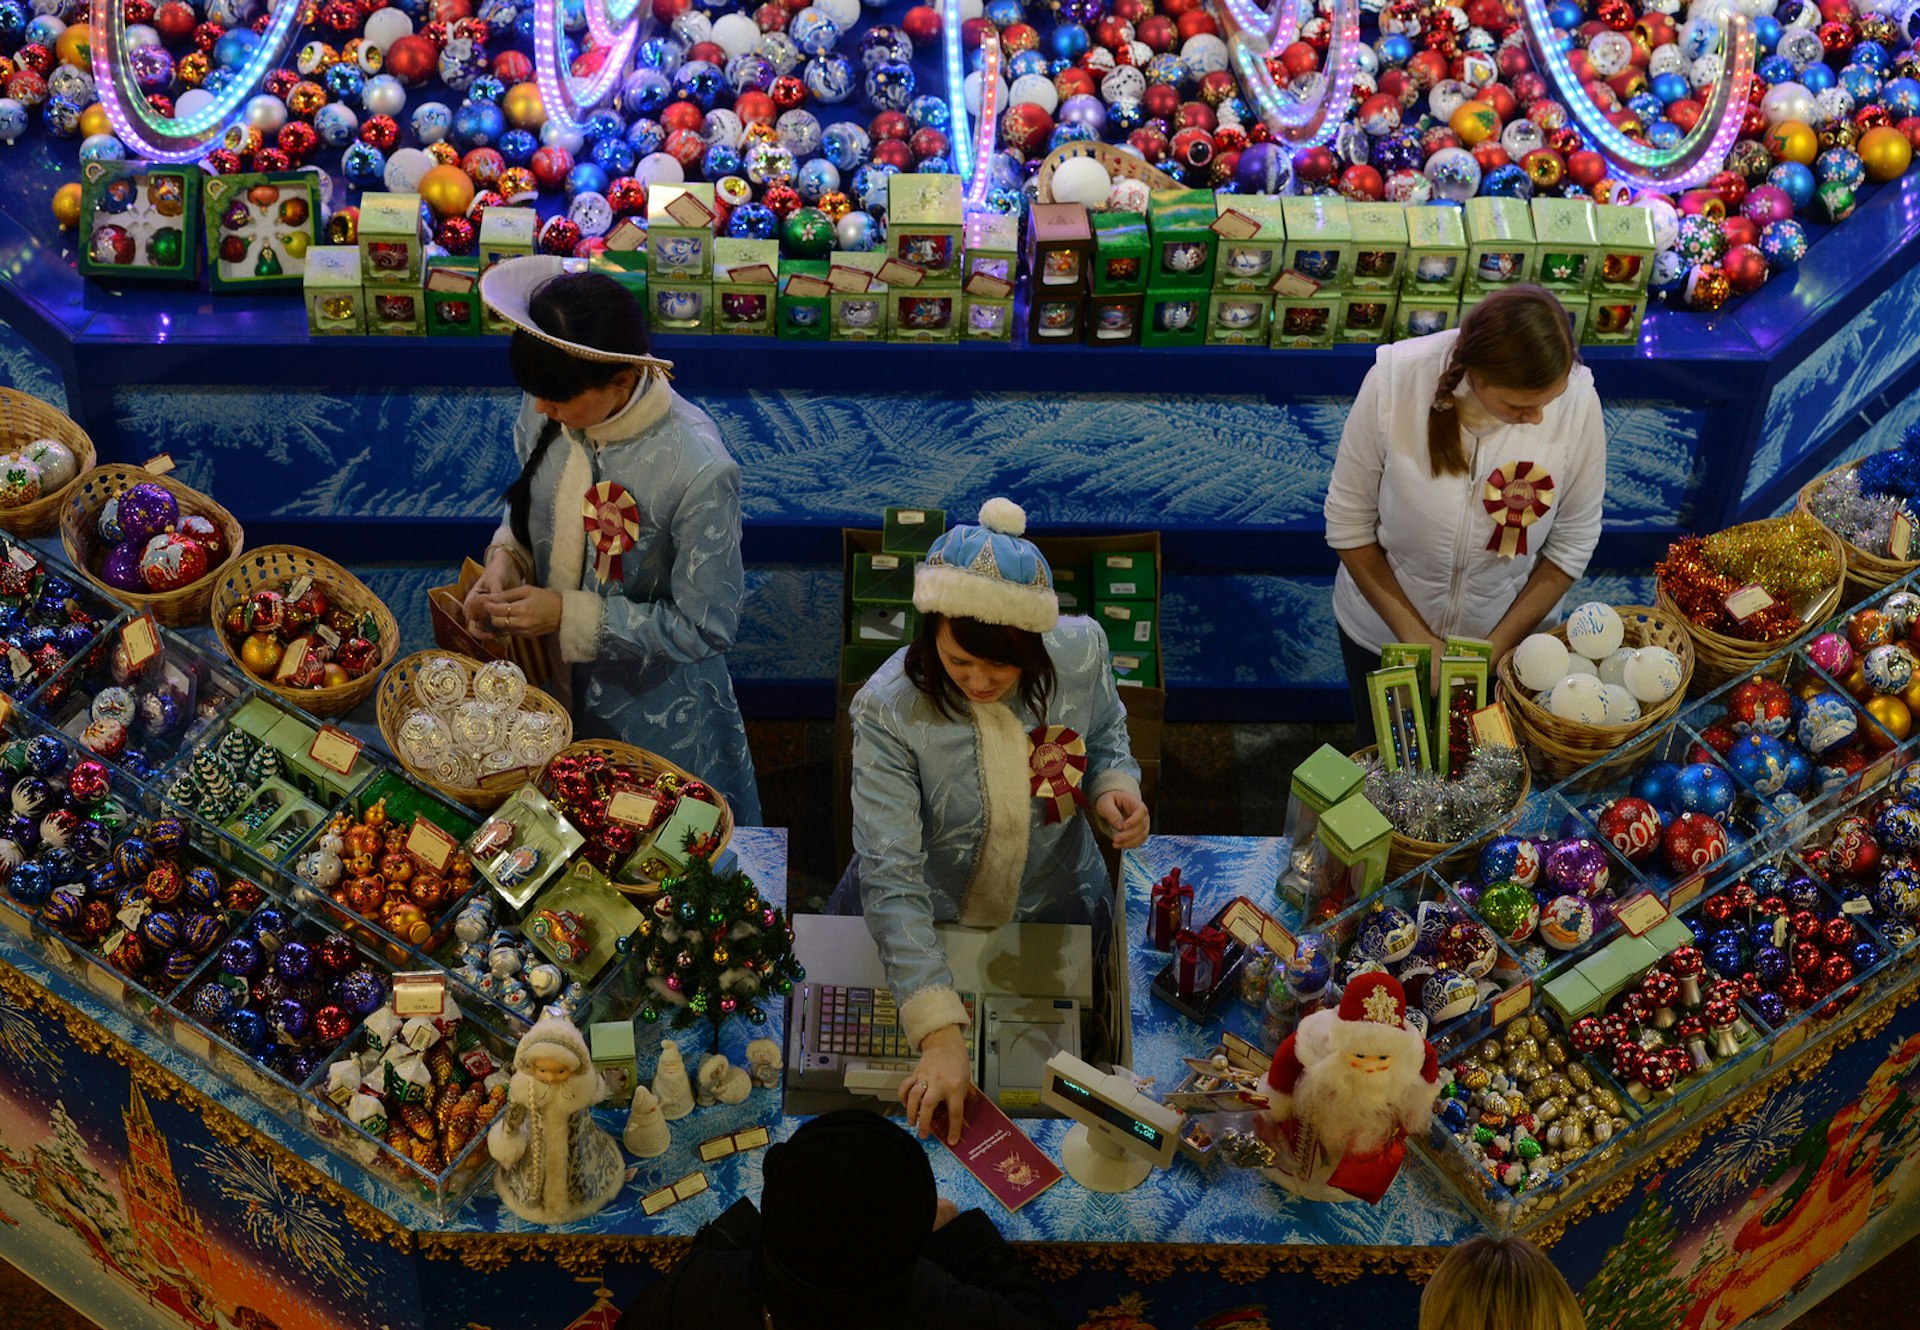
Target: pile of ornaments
{"x": 1675, "y": 819}
{"x": 499, "y": 963}
{"x": 1441, "y": 956}
{"x": 1544, "y": 893}
{"x": 1669, "y": 1026}
{"x": 363, "y": 864}
{"x": 1592, "y": 678}
{"x": 582, "y": 787}
{"x": 1525, "y": 1107}
{"x": 1877, "y": 661}
{"x": 35, "y": 471}
{"x": 150, "y": 546}
{"x": 138, "y": 714}
{"x": 286, "y": 994}
{"x": 426, "y": 1087}
{"x": 1782, "y": 940}
{"x": 1871, "y": 860}
{"x": 1790, "y": 745}
{"x": 467, "y": 723}
{"x": 222, "y": 774}
{"x": 337, "y": 644}
{"x": 42, "y": 625}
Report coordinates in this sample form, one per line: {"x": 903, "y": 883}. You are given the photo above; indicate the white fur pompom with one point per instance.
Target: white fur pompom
{"x": 1004, "y": 516}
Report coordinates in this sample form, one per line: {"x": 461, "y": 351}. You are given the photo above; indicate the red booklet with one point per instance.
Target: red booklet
{"x": 999, "y": 1154}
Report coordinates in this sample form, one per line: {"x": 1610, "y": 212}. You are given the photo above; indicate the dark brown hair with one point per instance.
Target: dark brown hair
{"x": 1520, "y": 338}
{"x": 994, "y": 642}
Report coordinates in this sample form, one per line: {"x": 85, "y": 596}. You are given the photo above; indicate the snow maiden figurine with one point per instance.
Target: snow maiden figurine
{"x": 556, "y": 1164}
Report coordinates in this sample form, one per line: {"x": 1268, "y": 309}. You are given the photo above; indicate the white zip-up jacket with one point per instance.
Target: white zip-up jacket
{"x": 1435, "y": 529}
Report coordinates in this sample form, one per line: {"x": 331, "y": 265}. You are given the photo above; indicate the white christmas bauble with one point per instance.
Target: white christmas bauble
{"x": 553, "y": 134}
{"x": 659, "y": 168}
{"x": 844, "y": 13}
{"x": 1540, "y": 661}
{"x": 1653, "y": 675}
{"x": 972, "y": 9}
{"x": 1081, "y": 180}
{"x": 1618, "y": 706}
{"x": 405, "y": 168}
{"x": 1787, "y": 101}
{"x": 386, "y": 26}
{"x": 1578, "y": 698}
{"x": 1129, "y": 195}
{"x": 383, "y": 94}
{"x": 1614, "y": 668}
{"x": 191, "y": 102}
{"x": 1038, "y": 89}
{"x": 1579, "y": 664}
{"x": 971, "y": 91}
{"x": 1205, "y": 54}
{"x": 1594, "y": 629}
{"x": 736, "y": 34}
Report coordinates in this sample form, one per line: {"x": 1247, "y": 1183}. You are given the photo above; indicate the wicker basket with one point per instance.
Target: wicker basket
{"x": 1866, "y": 573}
{"x": 1557, "y": 748}
{"x": 1718, "y": 658}
{"x": 396, "y": 698}
{"x": 1406, "y": 854}
{"x": 176, "y": 609}
{"x": 648, "y": 765}
{"x": 23, "y": 420}
{"x": 274, "y": 566}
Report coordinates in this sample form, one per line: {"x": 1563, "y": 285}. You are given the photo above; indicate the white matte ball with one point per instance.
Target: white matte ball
{"x": 1203, "y": 54}
{"x": 1579, "y": 664}
{"x": 1787, "y": 101}
{"x": 1541, "y": 661}
{"x": 844, "y": 13}
{"x": 736, "y": 34}
{"x": 143, "y": 34}
{"x": 384, "y": 94}
{"x": 191, "y": 103}
{"x": 659, "y": 168}
{"x": 1579, "y": 698}
{"x": 1620, "y": 706}
{"x": 404, "y": 170}
{"x": 970, "y": 90}
{"x": 1614, "y": 668}
{"x": 386, "y": 26}
{"x": 1653, "y": 675}
{"x": 265, "y": 113}
{"x": 1081, "y": 180}
{"x": 972, "y": 9}
{"x": 1038, "y": 89}
{"x": 1594, "y": 629}
{"x": 555, "y": 135}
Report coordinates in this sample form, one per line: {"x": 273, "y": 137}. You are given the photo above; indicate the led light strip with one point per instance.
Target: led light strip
{"x": 569, "y": 101}
{"x": 175, "y": 139}
{"x": 975, "y": 166}
{"x": 1304, "y": 124}
{"x": 1695, "y": 158}
{"x": 605, "y": 20}
{"x": 1278, "y": 27}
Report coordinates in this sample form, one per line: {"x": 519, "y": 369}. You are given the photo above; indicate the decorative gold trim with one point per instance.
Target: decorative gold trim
{"x": 576, "y": 1253}
{"x": 1235, "y": 1263}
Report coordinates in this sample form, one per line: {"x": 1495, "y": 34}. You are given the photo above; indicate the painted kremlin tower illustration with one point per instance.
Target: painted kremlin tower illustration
{"x": 167, "y": 1233}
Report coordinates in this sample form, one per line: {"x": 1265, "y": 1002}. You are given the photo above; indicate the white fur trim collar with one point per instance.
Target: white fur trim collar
{"x": 568, "y": 558}
{"x": 993, "y": 889}
{"x": 646, "y": 408}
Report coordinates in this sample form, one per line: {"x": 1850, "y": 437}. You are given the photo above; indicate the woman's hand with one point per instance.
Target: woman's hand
{"x": 943, "y": 1077}
{"x": 526, "y": 611}
{"x": 1126, "y": 818}
{"x": 501, "y": 574}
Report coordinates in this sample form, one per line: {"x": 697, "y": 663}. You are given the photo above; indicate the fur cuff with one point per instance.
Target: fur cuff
{"x": 955, "y": 592}
{"x": 931, "y": 1009}
{"x": 1112, "y": 780}
{"x": 581, "y": 614}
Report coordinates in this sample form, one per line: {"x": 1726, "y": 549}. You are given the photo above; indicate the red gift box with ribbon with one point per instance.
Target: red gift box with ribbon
{"x": 1169, "y": 911}
{"x": 1198, "y": 955}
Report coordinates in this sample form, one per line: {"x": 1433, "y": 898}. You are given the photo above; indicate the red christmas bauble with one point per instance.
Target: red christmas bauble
{"x": 171, "y": 561}
{"x": 1692, "y": 841}
{"x": 411, "y": 59}
{"x": 1631, "y": 826}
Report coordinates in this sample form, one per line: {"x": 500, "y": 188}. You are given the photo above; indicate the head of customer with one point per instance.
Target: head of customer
{"x": 1515, "y": 351}
{"x": 1498, "y": 1284}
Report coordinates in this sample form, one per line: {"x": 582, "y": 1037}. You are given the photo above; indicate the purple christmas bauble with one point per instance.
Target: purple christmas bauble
{"x": 247, "y": 1030}
{"x": 294, "y": 960}
{"x": 178, "y": 966}
{"x": 1576, "y": 867}
{"x": 241, "y": 956}
{"x": 290, "y": 1018}
{"x": 145, "y": 511}
{"x": 362, "y": 991}
{"x": 212, "y": 1003}
{"x": 1771, "y": 1007}
{"x": 121, "y": 570}
{"x": 1263, "y": 168}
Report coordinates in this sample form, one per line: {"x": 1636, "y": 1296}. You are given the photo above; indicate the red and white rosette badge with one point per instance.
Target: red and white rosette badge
{"x": 1516, "y": 497}
{"x": 1058, "y": 759}
{"x": 612, "y": 519}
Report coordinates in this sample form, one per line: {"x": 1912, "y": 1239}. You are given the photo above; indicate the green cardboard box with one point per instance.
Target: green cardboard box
{"x": 1436, "y": 251}
{"x": 1367, "y": 316}
{"x": 259, "y": 228}
{"x": 1073, "y": 586}
{"x": 680, "y": 232}
{"x": 1115, "y": 320}
{"x": 1669, "y": 935}
{"x": 1175, "y": 318}
{"x": 858, "y": 660}
{"x": 615, "y": 1060}
{"x": 891, "y": 625}
{"x": 626, "y": 246}
{"x": 453, "y": 296}
{"x": 336, "y": 301}
{"x": 1119, "y": 253}
{"x": 1417, "y": 316}
{"x": 507, "y": 233}
{"x": 139, "y": 219}
{"x": 923, "y": 313}
{"x": 1567, "y": 244}
{"x": 1380, "y": 243}
{"x": 992, "y": 246}
{"x": 985, "y": 318}
{"x": 1305, "y": 323}
{"x": 391, "y": 239}
{"x": 1319, "y": 239}
{"x": 1636, "y": 955}
{"x": 1059, "y": 247}
{"x": 801, "y": 315}
{"x": 1354, "y": 842}
{"x": 255, "y": 717}
{"x": 856, "y": 297}
{"x": 1136, "y": 669}
{"x": 1573, "y": 995}
{"x": 1624, "y": 235}
{"x": 1500, "y": 244}
{"x": 1180, "y": 228}
{"x": 1130, "y": 625}
{"x": 1124, "y": 575}
{"x": 394, "y": 311}
{"x": 1251, "y": 249}
{"x": 883, "y": 579}
{"x": 681, "y": 305}
{"x": 1605, "y": 972}
{"x": 924, "y": 217}
{"x": 1238, "y": 318}
{"x": 911, "y": 530}
{"x": 746, "y": 278}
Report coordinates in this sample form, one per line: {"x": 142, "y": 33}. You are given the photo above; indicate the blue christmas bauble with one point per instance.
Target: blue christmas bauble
{"x": 1701, "y": 787}
{"x": 1655, "y": 784}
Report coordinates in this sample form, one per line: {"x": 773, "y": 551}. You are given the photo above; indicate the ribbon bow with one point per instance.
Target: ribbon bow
{"x": 1169, "y": 908}
{"x": 1198, "y": 953}
{"x": 612, "y": 519}
{"x": 1516, "y": 497}
{"x": 1057, "y": 757}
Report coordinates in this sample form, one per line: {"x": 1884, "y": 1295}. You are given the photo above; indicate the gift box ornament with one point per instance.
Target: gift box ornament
{"x": 1119, "y": 253}
{"x": 611, "y": 1044}
{"x": 139, "y": 220}
{"x": 1421, "y": 316}
{"x": 1568, "y": 244}
{"x": 1624, "y": 236}
{"x": 1500, "y": 243}
{"x": 1380, "y": 243}
{"x": 1319, "y": 238}
{"x": 1059, "y": 247}
{"x": 924, "y": 216}
{"x": 1436, "y": 251}
{"x": 1366, "y": 317}
{"x": 1355, "y": 838}
{"x": 395, "y": 311}
{"x": 680, "y": 232}
{"x": 680, "y": 305}
{"x": 626, "y": 246}
{"x": 1397, "y": 697}
{"x": 985, "y": 319}
{"x": 391, "y": 239}
{"x": 1198, "y": 955}
{"x": 801, "y": 314}
{"x": 453, "y": 296}
{"x": 1169, "y": 911}
{"x": 992, "y": 246}
{"x": 923, "y": 313}
{"x": 1613, "y": 320}
{"x": 857, "y": 305}
{"x": 746, "y": 276}
{"x": 1251, "y": 249}
{"x": 259, "y": 229}
{"x": 1236, "y": 318}
{"x": 1305, "y": 323}
{"x": 333, "y": 291}
{"x": 1327, "y": 777}
{"x": 1115, "y": 320}
{"x": 1182, "y": 238}
{"x": 507, "y": 233}
{"x": 1175, "y": 318}
{"x": 1056, "y": 317}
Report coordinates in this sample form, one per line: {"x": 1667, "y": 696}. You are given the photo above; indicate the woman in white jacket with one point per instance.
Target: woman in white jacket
{"x": 1467, "y": 492}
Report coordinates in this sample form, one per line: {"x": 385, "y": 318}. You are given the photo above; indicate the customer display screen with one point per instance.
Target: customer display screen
{"x": 1089, "y": 1102}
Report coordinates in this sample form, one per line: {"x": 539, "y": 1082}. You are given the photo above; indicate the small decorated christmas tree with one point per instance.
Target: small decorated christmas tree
{"x": 713, "y": 947}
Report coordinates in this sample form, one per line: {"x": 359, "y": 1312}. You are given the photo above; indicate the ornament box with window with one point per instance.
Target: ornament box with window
{"x": 141, "y": 220}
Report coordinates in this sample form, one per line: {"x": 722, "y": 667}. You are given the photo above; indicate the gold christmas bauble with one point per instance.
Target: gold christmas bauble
{"x": 94, "y": 120}
{"x": 447, "y": 190}
{"x": 1886, "y": 153}
{"x": 66, "y": 205}
{"x": 1893, "y": 716}
{"x": 523, "y": 107}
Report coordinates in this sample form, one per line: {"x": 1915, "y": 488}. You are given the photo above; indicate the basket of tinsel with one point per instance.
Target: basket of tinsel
{"x": 1444, "y": 819}
{"x": 1869, "y": 505}
{"x": 1745, "y": 594}
{"x": 628, "y": 802}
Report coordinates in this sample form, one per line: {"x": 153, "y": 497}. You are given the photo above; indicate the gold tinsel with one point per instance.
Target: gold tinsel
{"x": 1789, "y": 556}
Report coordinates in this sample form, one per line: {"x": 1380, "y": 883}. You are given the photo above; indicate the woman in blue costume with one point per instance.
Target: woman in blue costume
{"x": 621, "y": 543}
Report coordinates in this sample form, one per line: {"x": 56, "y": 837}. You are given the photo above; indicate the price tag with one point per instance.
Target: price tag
{"x": 326, "y": 635}
{"x": 1640, "y": 912}
{"x": 1492, "y": 728}
{"x": 19, "y": 923}
{"x": 300, "y": 587}
{"x": 1118, "y": 613}
{"x": 1687, "y": 892}
{"x": 1277, "y": 939}
{"x": 1234, "y": 225}
{"x": 626, "y": 237}
{"x": 141, "y": 638}
{"x": 689, "y": 211}
{"x": 193, "y": 1041}
{"x": 1878, "y": 774}
{"x": 885, "y": 563}
{"x": 291, "y": 662}
{"x": 451, "y": 281}
{"x": 754, "y": 274}
{"x": 988, "y": 287}
{"x": 1900, "y": 540}
{"x": 1786, "y": 1043}
{"x": 719, "y": 1147}
{"x": 910, "y": 517}
{"x": 1241, "y": 920}
{"x": 419, "y": 993}
{"x": 429, "y": 844}
{"x": 22, "y": 558}
{"x": 898, "y": 272}
{"x": 842, "y": 278}
{"x": 633, "y": 808}
{"x": 336, "y": 750}
{"x": 106, "y": 983}
{"x": 1512, "y": 1002}
{"x": 673, "y": 1193}
{"x": 1748, "y": 601}
{"x": 801, "y": 286}
{"x": 1294, "y": 285}
{"x": 159, "y": 464}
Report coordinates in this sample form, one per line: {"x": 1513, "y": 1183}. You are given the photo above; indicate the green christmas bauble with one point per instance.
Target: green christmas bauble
{"x": 1834, "y": 201}
{"x": 806, "y": 234}
{"x": 649, "y": 1013}
{"x": 697, "y": 1004}
{"x": 1511, "y": 909}
{"x": 165, "y": 248}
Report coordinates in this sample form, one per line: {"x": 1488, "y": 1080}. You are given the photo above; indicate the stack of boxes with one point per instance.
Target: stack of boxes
{"x": 1180, "y": 261}
{"x": 392, "y": 263}
{"x": 881, "y": 618}
{"x": 856, "y": 297}
{"x": 1625, "y": 246}
{"x": 453, "y": 296}
{"x": 505, "y": 233}
{"x": 331, "y": 286}
{"x": 1500, "y": 247}
{"x": 1252, "y": 239}
{"x": 802, "y": 312}
{"x": 1380, "y": 241}
{"x": 1118, "y": 279}
{"x": 988, "y": 267}
{"x": 924, "y": 248}
{"x": 1059, "y": 254}
{"x": 1434, "y": 273}
{"x": 1126, "y": 603}
{"x": 746, "y": 276}
{"x": 1319, "y": 264}
{"x": 680, "y": 247}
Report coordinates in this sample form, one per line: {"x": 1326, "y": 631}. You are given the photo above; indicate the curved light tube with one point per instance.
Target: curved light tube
{"x": 569, "y": 101}
{"x": 1303, "y": 124}
{"x": 974, "y": 161}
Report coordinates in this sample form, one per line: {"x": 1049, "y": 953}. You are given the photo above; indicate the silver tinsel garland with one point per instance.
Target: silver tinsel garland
{"x": 1429, "y": 807}
{"x": 1854, "y": 515}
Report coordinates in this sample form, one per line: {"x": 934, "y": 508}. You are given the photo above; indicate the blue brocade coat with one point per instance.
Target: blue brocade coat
{"x": 649, "y": 653}
{"x": 945, "y": 825}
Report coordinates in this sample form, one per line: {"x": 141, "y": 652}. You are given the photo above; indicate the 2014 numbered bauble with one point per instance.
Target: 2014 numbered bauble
{"x": 1704, "y": 788}
{"x": 1567, "y": 923}
{"x": 1631, "y": 826}
{"x": 1692, "y": 841}
{"x": 1509, "y": 859}
{"x": 1511, "y": 909}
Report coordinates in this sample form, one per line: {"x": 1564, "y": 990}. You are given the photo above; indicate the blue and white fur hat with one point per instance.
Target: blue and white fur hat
{"x": 988, "y": 572}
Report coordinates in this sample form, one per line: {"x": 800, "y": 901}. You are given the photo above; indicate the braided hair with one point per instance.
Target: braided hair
{"x": 1520, "y": 338}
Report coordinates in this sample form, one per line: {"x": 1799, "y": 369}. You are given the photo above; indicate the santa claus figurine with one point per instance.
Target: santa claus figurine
{"x": 556, "y": 1164}
{"x": 1345, "y": 1089}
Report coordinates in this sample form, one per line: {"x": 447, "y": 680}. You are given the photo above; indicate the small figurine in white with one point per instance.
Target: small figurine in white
{"x": 723, "y": 1083}
{"x": 763, "y": 1063}
{"x": 647, "y": 1135}
{"x": 556, "y": 1164}
{"x": 670, "y": 1084}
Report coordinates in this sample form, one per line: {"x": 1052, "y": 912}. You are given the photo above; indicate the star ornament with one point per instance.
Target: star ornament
{"x": 1381, "y": 1008}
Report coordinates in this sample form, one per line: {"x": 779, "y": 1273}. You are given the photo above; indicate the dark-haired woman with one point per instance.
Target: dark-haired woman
{"x": 983, "y": 754}
{"x": 1467, "y": 492}
{"x": 622, "y": 533}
